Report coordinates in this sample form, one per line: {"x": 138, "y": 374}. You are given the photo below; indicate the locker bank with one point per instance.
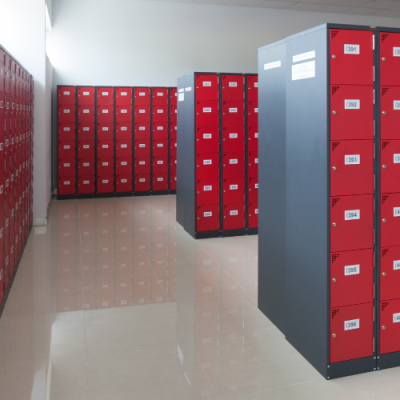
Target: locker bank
{"x": 199, "y": 199}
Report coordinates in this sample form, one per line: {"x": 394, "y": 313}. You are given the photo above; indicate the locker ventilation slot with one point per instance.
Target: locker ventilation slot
{"x": 334, "y": 34}
{"x": 334, "y": 145}
{"x": 384, "y": 252}
{"x": 384, "y": 36}
{"x": 335, "y": 201}
{"x": 335, "y": 89}
{"x": 384, "y": 90}
{"x": 335, "y": 257}
{"x": 384, "y": 198}
{"x": 334, "y": 312}
{"x": 384, "y": 144}
{"x": 384, "y": 305}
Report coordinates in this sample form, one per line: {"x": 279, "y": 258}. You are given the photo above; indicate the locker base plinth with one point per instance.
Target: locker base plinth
{"x": 172, "y": 192}
{"x": 123, "y": 194}
{"x": 66, "y": 197}
{"x": 86, "y": 196}
{"x": 142, "y": 193}
{"x": 207, "y": 234}
{"x": 102, "y": 195}
{"x": 233, "y": 232}
{"x": 390, "y": 360}
{"x": 351, "y": 367}
{"x": 159, "y": 192}
{"x": 252, "y": 231}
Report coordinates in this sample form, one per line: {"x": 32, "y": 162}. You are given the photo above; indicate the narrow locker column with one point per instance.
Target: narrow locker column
{"x": 66, "y": 142}
{"x": 86, "y": 141}
{"x": 105, "y": 143}
{"x": 173, "y": 109}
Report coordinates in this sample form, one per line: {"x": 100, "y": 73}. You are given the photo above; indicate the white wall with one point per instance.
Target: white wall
{"x": 22, "y": 33}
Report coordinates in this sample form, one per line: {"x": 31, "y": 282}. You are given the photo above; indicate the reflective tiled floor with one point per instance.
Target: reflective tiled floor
{"x": 113, "y": 300}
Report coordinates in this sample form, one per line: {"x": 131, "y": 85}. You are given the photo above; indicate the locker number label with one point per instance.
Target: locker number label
{"x": 142, "y": 180}
{"x": 208, "y": 214}
{"x": 396, "y": 265}
{"x": 207, "y": 162}
{"x": 67, "y": 93}
{"x": 86, "y": 129}
{"x": 160, "y": 128}
{"x": 233, "y": 136}
{"x": 256, "y": 185}
{"x": 207, "y": 109}
{"x": 351, "y": 214}
{"x": 160, "y": 162}
{"x": 160, "y": 145}
{"x": 160, "y": 94}
{"x": 142, "y": 128}
{"x": 352, "y": 104}
{"x": 124, "y": 93}
{"x": 124, "y": 163}
{"x": 142, "y": 94}
{"x": 86, "y": 111}
{"x": 141, "y": 145}
{"x": 256, "y": 211}
{"x": 256, "y": 135}
{"x": 124, "y": 128}
{"x": 105, "y": 128}
{"x": 105, "y": 146}
{"x": 233, "y": 161}
{"x": 160, "y": 179}
{"x": 104, "y": 93}
{"x": 351, "y": 49}
{"x": 350, "y": 325}
{"x": 86, "y": 182}
{"x": 160, "y": 111}
{"x": 207, "y": 136}
{"x": 233, "y": 110}
{"x": 66, "y": 111}
{"x": 396, "y": 158}
{"x": 67, "y": 164}
{"x": 352, "y": 270}
{"x": 67, "y": 129}
{"x": 233, "y": 187}
{"x": 256, "y": 84}
{"x": 352, "y": 159}
{"x": 67, "y": 147}
{"x": 396, "y": 211}
{"x": 142, "y": 162}
{"x": 396, "y": 51}
{"x": 124, "y": 146}
{"x": 234, "y": 212}
{"x": 105, "y": 111}
{"x": 105, "y": 164}
{"x": 142, "y": 111}
{"x": 232, "y": 84}
{"x": 86, "y": 164}
{"x": 207, "y": 188}
{"x": 396, "y": 105}
{"x": 206, "y": 83}
{"x": 396, "y": 318}
{"x": 124, "y": 111}
{"x": 85, "y": 146}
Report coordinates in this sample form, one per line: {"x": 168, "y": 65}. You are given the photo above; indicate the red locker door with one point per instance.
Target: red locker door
{"x": 66, "y": 167}
{"x": 173, "y": 130}
{"x": 207, "y": 218}
{"x": 173, "y": 96}
{"x": 86, "y": 185}
{"x": 207, "y": 192}
{"x": 252, "y": 88}
{"x": 160, "y": 96}
{"x": 105, "y": 166}
{"x": 390, "y": 166}
{"x": 253, "y": 139}
{"x": 160, "y": 147}
{"x": 352, "y": 222}
{"x": 160, "y": 114}
{"x": 232, "y": 88}
{"x": 207, "y": 87}
{"x": 124, "y": 183}
{"x": 207, "y": 140}
{"x": 390, "y": 326}
{"x": 253, "y": 190}
{"x": 253, "y": 165}
{"x": 390, "y": 58}
{"x": 86, "y": 149}
{"x": 207, "y": 113}
{"x": 352, "y": 112}
{"x": 233, "y": 190}
{"x": 105, "y": 149}
{"x": 234, "y": 216}
{"x": 142, "y": 148}
{"x": 352, "y": 167}
{"x": 66, "y": 95}
{"x": 233, "y": 165}
{"x": 142, "y": 183}
{"x": 66, "y": 113}
{"x": 142, "y": 114}
{"x": 160, "y": 130}
{"x": 66, "y": 185}
{"x": 173, "y": 113}
{"x": 124, "y": 166}
{"x": 105, "y": 131}
{"x": 142, "y": 165}
{"x": 351, "y": 332}
{"x": 66, "y": 131}
{"x": 105, "y": 184}
{"x": 233, "y": 113}
{"x": 172, "y": 164}
{"x": 233, "y": 139}
{"x": 207, "y": 166}
{"x": 160, "y": 182}
{"x": 351, "y": 57}
{"x": 390, "y": 219}
{"x": 66, "y": 149}
{"x": 85, "y": 96}
{"x": 390, "y": 112}
{"x": 352, "y": 277}
{"x": 142, "y": 96}
{"x": 105, "y": 96}
{"x": 105, "y": 113}
{"x": 123, "y": 148}
{"x": 124, "y": 131}
{"x": 86, "y": 113}
{"x": 142, "y": 131}
{"x": 172, "y": 181}
{"x": 123, "y": 113}
{"x": 160, "y": 165}
{"x": 2, "y": 70}
{"x": 390, "y": 273}
{"x": 123, "y": 96}
{"x": 253, "y": 215}
{"x": 252, "y": 114}
{"x": 86, "y": 131}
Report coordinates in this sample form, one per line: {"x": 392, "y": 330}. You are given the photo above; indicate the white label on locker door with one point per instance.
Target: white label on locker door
{"x": 124, "y": 146}
{"x": 396, "y": 51}
{"x": 256, "y": 84}
{"x": 207, "y": 188}
{"x": 353, "y": 324}
{"x": 124, "y": 93}
{"x": 86, "y": 146}
{"x": 233, "y": 161}
{"x": 105, "y": 181}
{"x": 160, "y": 94}
{"x": 234, "y": 212}
{"x": 105, "y": 128}
{"x": 188, "y": 89}
{"x": 181, "y": 97}
{"x": 207, "y": 83}
{"x": 396, "y": 105}
{"x": 124, "y": 163}
{"x": 142, "y": 180}
{"x": 142, "y": 128}
{"x": 256, "y": 185}
{"x": 396, "y": 211}
{"x": 396, "y": 318}
{"x": 256, "y": 160}
{"x": 86, "y": 111}
{"x": 232, "y": 84}
{"x": 67, "y": 182}
{"x": 207, "y": 162}
{"x": 256, "y": 110}
{"x": 233, "y": 187}
{"x": 303, "y": 71}
{"x": 256, "y": 135}
{"x": 67, "y": 111}
{"x": 233, "y": 136}
{"x": 85, "y": 129}
{"x": 207, "y": 109}
{"x": 208, "y": 214}
{"x": 124, "y": 128}
{"x": 351, "y": 49}
{"x": 105, "y": 146}
{"x": 104, "y": 111}
{"x": 352, "y": 270}
{"x": 304, "y": 56}
{"x": 142, "y": 145}
{"x": 142, "y": 111}
{"x": 160, "y": 162}
{"x": 352, "y": 159}
{"x": 105, "y": 164}
{"x": 160, "y": 128}
{"x": 142, "y": 162}
{"x": 124, "y": 180}
{"x": 351, "y": 214}
{"x": 67, "y": 129}
{"x": 86, "y": 182}
{"x": 160, "y": 179}
{"x": 86, "y": 93}
{"x": 181, "y": 90}
{"x": 67, "y": 165}
{"x": 396, "y": 265}
{"x": 67, "y": 146}
{"x": 233, "y": 110}
{"x": 207, "y": 136}
{"x": 67, "y": 93}
{"x": 124, "y": 111}
{"x": 256, "y": 211}
{"x": 86, "y": 164}
{"x": 352, "y": 104}
{"x": 160, "y": 145}
{"x": 142, "y": 94}
{"x": 271, "y": 65}
{"x": 104, "y": 93}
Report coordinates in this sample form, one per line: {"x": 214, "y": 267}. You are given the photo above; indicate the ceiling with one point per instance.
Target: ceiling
{"x": 383, "y": 8}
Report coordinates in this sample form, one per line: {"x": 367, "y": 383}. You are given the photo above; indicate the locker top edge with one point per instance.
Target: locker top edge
{"x": 267, "y": 46}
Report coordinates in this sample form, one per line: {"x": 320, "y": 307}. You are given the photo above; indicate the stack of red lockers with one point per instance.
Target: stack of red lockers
{"x": 16, "y": 153}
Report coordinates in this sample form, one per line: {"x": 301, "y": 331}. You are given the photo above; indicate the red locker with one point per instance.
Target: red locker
{"x": 173, "y": 130}
{"x": 253, "y": 190}
{"x": 252, "y": 88}
{"x": 252, "y": 114}
{"x": 66, "y": 95}
{"x": 207, "y": 87}
{"x": 390, "y": 273}
{"x": 352, "y": 277}
{"x": 389, "y": 58}
{"x": 233, "y": 113}
{"x": 160, "y": 114}
{"x": 390, "y": 221}
{"x": 124, "y": 183}
{"x": 105, "y": 97}
{"x": 160, "y": 165}
{"x": 160, "y": 130}
{"x": 390, "y": 326}
{"x": 173, "y": 96}
{"x": 142, "y": 96}
{"x": 234, "y": 216}
{"x": 160, "y": 148}
{"x": 253, "y": 165}
{"x": 390, "y": 112}
{"x": 105, "y": 113}
{"x": 352, "y": 224}
{"x": 86, "y": 149}
{"x": 352, "y": 57}
{"x": 142, "y": 148}
{"x": 173, "y": 113}
{"x": 66, "y": 167}
{"x": 105, "y": 166}
{"x": 352, "y": 112}
{"x": 66, "y": 149}
{"x": 2, "y": 113}
{"x": 253, "y": 139}
{"x": 86, "y": 96}
{"x": 142, "y": 182}
{"x": 207, "y": 218}
{"x": 207, "y": 192}
{"x": 232, "y": 88}
{"x": 207, "y": 166}
{"x": 233, "y": 190}
{"x": 233, "y": 139}
{"x": 66, "y": 185}
{"x": 173, "y": 148}
{"x": 160, "y": 96}
{"x": 105, "y": 149}
{"x": 105, "y": 184}
{"x": 124, "y": 166}
{"x": 124, "y": 131}
{"x": 351, "y": 332}
{"x": 142, "y": 131}
{"x": 172, "y": 164}
{"x": 172, "y": 181}
{"x": 86, "y": 184}
{"x": 66, "y": 131}
{"x": 207, "y": 140}
{"x": 142, "y": 114}
{"x": 352, "y": 167}
{"x": 123, "y": 96}
{"x": 66, "y": 113}
{"x": 105, "y": 131}
{"x": 233, "y": 164}
{"x": 124, "y": 148}
{"x": 253, "y": 215}
{"x": 86, "y": 167}
{"x": 86, "y": 113}
{"x": 390, "y": 166}
{"x": 86, "y": 131}
{"x": 207, "y": 113}
{"x": 160, "y": 181}
{"x": 142, "y": 165}
{"x": 123, "y": 113}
